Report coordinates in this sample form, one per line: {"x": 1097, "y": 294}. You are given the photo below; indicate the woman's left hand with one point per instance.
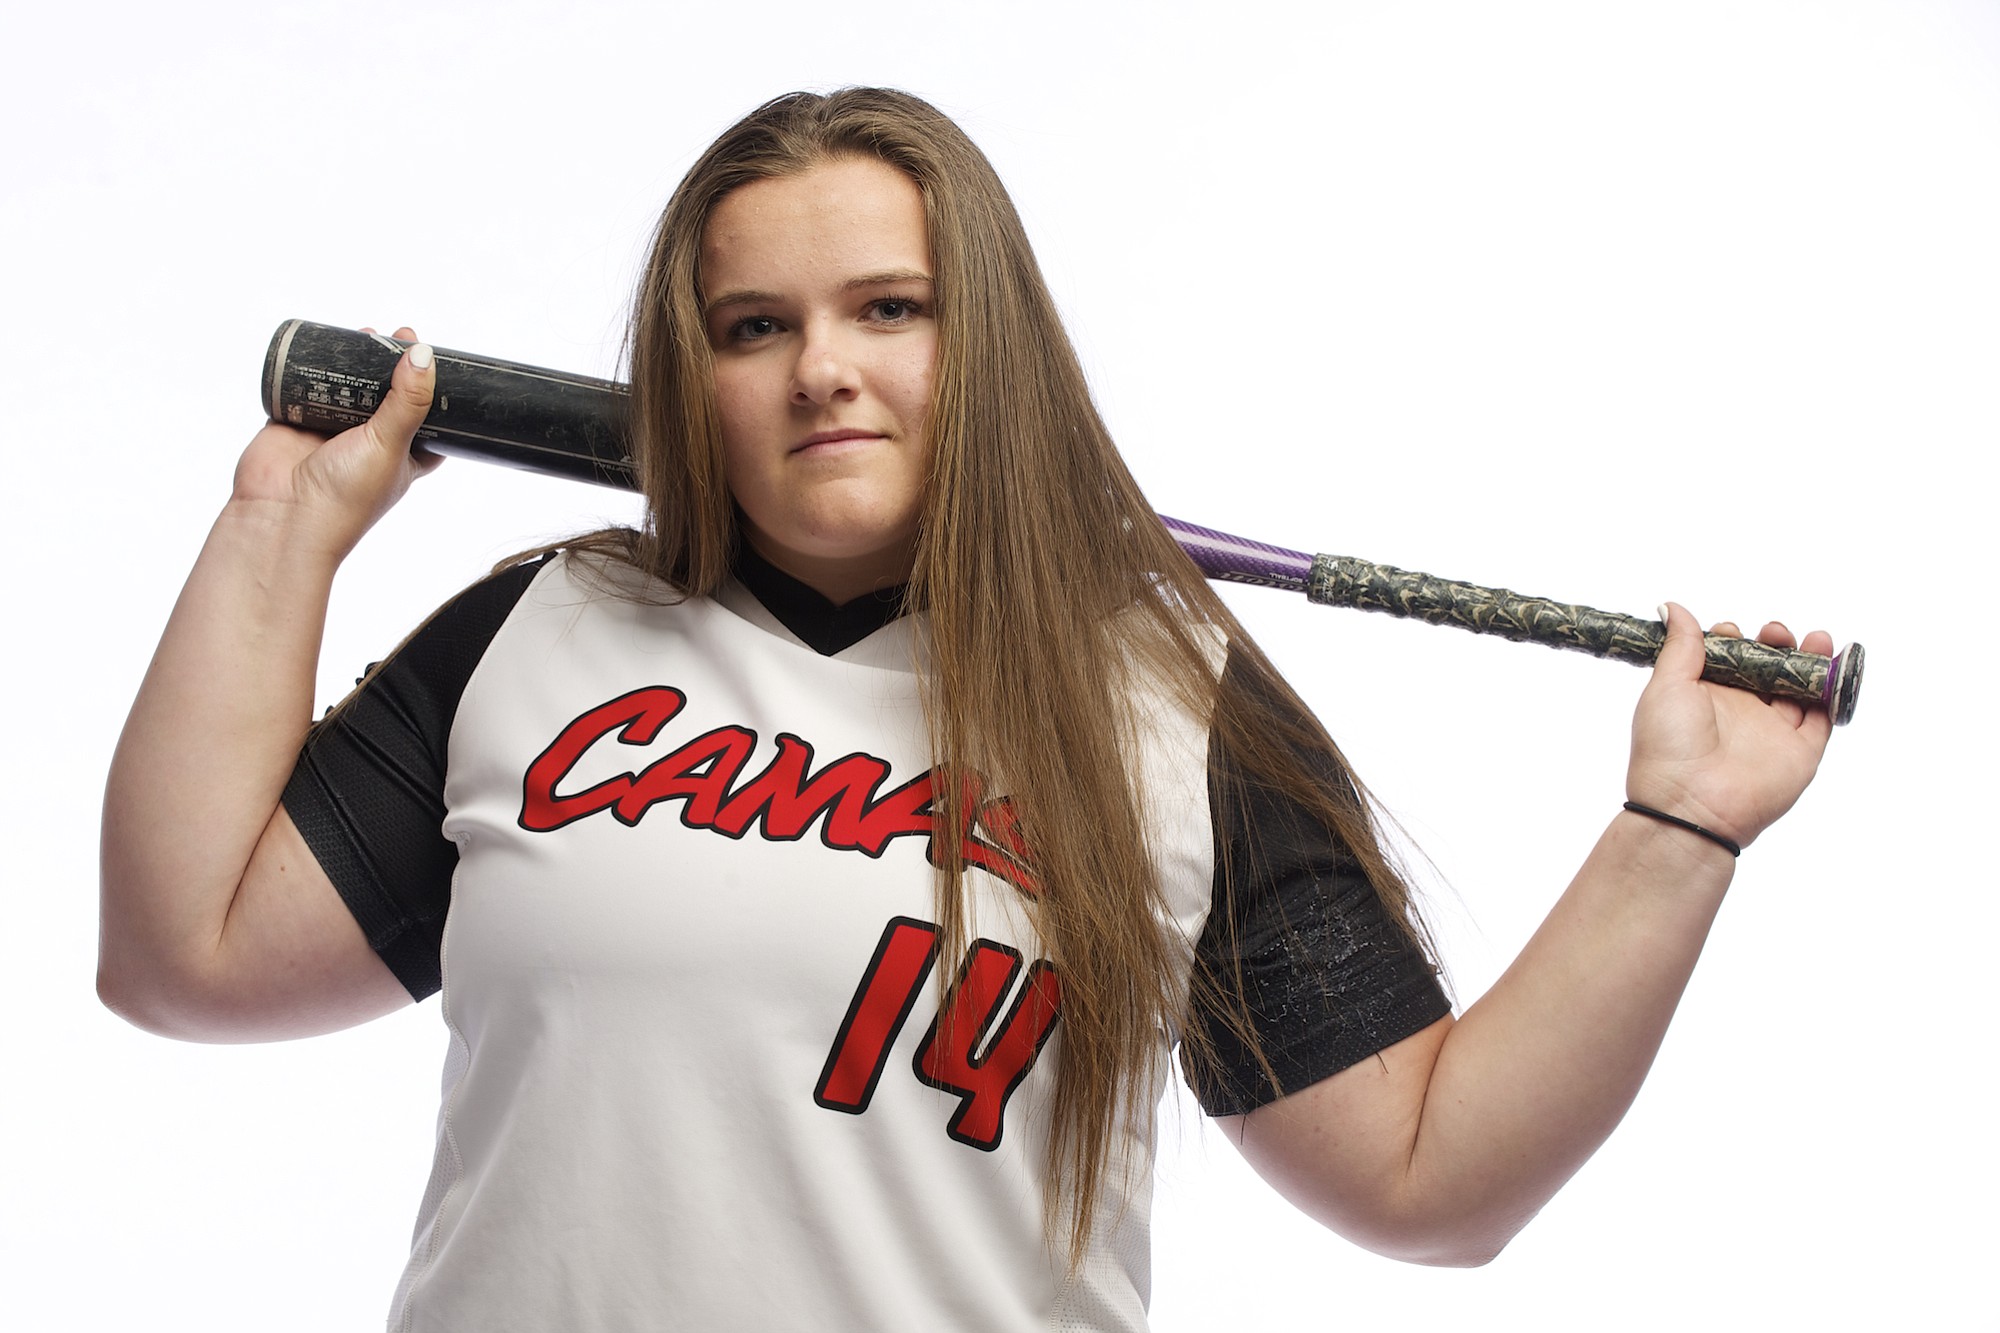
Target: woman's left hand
{"x": 1729, "y": 760}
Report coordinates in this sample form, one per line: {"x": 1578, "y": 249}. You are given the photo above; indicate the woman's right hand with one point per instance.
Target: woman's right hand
{"x": 339, "y": 486}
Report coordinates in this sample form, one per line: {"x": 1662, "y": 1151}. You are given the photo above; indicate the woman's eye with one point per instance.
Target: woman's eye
{"x": 896, "y": 310}
{"x": 753, "y": 328}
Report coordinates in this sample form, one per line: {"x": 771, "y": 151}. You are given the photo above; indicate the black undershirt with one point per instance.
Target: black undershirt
{"x": 821, "y": 625}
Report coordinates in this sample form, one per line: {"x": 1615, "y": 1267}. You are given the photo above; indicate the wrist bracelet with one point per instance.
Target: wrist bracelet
{"x": 1734, "y": 849}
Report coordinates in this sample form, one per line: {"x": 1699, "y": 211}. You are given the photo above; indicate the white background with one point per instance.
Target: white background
{"x": 1608, "y": 302}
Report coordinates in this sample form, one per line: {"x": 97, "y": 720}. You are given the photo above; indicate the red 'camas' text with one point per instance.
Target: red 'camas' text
{"x": 781, "y": 801}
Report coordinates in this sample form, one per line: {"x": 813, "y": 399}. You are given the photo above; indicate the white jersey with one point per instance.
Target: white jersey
{"x": 697, "y": 1076}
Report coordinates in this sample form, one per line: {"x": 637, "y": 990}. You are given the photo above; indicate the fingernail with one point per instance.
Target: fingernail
{"x": 420, "y": 356}
{"x": 1663, "y": 613}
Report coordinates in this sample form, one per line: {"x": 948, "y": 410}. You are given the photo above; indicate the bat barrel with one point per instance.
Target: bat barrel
{"x": 322, "y": 378}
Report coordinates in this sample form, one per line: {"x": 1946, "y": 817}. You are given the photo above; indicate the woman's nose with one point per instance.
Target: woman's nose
{"x": 826, "y": 370}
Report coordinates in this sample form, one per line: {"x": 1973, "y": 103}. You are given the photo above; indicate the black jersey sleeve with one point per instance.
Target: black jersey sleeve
{"x": 1327, "y": 976}
{"x": 367, "y": 793}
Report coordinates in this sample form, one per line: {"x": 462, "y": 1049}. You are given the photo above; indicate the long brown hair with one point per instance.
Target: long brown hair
{"x": 1035, "y": 542}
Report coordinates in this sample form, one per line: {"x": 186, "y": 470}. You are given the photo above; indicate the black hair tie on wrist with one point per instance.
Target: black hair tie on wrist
{"x": 1733, "y": 848}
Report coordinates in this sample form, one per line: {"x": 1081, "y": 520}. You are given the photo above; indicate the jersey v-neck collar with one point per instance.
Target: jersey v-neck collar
{"x": 822, "y": 626}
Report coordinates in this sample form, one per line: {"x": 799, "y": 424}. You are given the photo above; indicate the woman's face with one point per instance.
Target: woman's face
{"x": 818, "y": 302}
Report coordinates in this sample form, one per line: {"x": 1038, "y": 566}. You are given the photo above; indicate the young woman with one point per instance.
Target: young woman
{"x": 820, "y": 878}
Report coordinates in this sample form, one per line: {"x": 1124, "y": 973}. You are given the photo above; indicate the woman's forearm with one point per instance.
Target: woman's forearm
{"x": 1537, "y": 1073}
{"x": 208, "y": 746}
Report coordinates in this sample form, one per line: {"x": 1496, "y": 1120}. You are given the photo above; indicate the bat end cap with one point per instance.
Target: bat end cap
{"x": 1843, "y": 683}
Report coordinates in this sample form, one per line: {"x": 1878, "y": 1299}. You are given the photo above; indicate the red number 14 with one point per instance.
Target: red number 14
{"x": 971, "y": 1050}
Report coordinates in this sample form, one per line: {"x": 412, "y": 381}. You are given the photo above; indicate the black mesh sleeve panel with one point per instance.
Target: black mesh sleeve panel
{"x": 1328, "y": 976}
{"x": 368, "y": 791}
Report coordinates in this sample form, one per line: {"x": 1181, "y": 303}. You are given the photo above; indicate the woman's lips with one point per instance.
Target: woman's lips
{"x": 818, "y": 438}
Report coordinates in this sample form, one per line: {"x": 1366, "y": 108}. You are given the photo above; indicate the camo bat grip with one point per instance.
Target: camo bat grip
{"x": 1744, "y": 664}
